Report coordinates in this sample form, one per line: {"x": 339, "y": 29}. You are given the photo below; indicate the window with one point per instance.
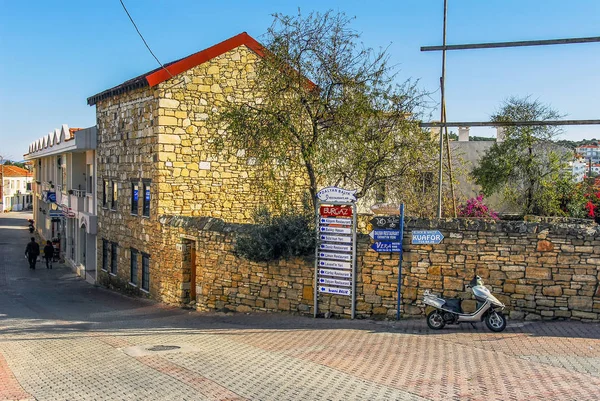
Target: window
{"x": 133, "y": 267}
{"x": 145, "y": 271}
{"x": 146, "y": 187}
{"x": 115, "y": 195}
{"x": 104, "y": 193}
{"x": 113, "y": 258}
{"x": 135, "y": 189}
{"x": 104, "y": 255}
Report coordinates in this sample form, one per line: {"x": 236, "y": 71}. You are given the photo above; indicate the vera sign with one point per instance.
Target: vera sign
{"x": 335, "y": 211}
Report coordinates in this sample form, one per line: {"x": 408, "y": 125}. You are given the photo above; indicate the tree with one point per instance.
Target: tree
{"x": 527, "y": 162}
{"x": 329, "y": 106}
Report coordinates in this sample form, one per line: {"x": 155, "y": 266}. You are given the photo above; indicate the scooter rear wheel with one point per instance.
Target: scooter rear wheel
{"x": 495, "y": 321}
{"x": 435, "y": 321}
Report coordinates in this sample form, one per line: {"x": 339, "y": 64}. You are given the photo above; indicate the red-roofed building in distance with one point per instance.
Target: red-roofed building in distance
{"x": 589, "y": 152}
{"x": 15, "y": 191}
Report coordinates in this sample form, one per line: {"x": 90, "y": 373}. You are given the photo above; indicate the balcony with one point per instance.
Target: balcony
{"x": 77, "y": 200}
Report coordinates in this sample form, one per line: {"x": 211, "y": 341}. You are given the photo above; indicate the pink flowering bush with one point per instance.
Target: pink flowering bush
{"x": 475, "y": 207}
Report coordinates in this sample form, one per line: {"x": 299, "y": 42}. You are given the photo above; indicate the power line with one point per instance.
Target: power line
{"x": 144, "y": 40}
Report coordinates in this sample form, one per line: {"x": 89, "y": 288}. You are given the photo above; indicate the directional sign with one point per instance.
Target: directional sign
{"x": 333, "y": 290}
{"x": 427, "y": 237}
{"x": 335, "y": 211}
{"x": 336, "y": 273}
{"x": 387, "y": 246}
{"x": 334, "y": 281}
{"x": 336, "y": 238}
{"x": 385, "y": 235}
{"x": 335, "y": 230}
{"x": 386, "y": 222}
{"x": 335, "y": 256}
{"x": 55, "y": 213}
{"x": 333, "y": 220}
{"x": 335, "y": 247}
{"x": 335, "y": 265}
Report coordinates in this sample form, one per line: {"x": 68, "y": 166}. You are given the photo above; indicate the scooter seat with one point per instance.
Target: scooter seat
{"x": 453, "y": 304}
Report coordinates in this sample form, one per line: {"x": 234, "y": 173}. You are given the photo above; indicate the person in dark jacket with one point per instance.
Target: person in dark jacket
{"x": 48, "y": 254}
{"x": 32, "y": 252}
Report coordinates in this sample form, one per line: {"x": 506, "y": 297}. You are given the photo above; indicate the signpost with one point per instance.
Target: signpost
{"x": 335, "y": 256}
{"x": 388, "y": 232}
{"x": 427, "y": 237}
{"x": 385, "y": 222}
{"x": 385, "y": 235}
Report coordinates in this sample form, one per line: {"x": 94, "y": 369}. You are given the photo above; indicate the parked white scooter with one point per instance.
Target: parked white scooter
{"x": 449, "y": 311}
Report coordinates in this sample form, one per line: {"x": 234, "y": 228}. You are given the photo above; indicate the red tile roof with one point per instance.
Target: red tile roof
{"x": 14, "y": 171}
{"x": 158, "y": 75}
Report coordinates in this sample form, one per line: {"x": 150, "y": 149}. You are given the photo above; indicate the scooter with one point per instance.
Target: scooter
{"x": 449, "y": 311}
{"x": 31, "y": 228}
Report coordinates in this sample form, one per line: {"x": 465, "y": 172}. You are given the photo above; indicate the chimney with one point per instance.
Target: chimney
{"x": 463, "y": 134}
{"x": 500, "y": 134}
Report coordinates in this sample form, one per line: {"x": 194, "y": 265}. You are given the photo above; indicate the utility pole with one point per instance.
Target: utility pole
{"x": 443, "y": 114}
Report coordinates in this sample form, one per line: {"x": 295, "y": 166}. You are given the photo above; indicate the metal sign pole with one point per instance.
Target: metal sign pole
{"x": 400, "y": 262}
{"x": 316, "y": 292}
{"x": 353, "y": 260}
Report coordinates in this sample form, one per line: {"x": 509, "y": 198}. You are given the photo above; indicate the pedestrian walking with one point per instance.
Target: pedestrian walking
{"x": 32, "y": 251}
{"x": 48, "y": 254}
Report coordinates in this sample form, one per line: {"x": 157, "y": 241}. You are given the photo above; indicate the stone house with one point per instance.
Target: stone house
{"x": 155, "y": 159}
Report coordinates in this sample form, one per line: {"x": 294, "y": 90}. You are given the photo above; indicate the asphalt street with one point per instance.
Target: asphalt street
{"x": 64, "y": 339}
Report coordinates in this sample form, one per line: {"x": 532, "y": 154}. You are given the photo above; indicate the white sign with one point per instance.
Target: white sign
{"x": 335, "y": 281}
{"x": 336, "y": 273}
{"x": 335, "y": 247}
{"x": 333, "y": 220}
{"x": 335, "y": 265}
{"x": 333, "y": 290}
{"x": 336, "y": 238}
{"x": 335, "y": 230}
{"x": 335, "y": 194}
{"x": 335, "y": 256}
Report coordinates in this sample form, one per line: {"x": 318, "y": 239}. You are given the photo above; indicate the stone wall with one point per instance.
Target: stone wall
{"x": 126, "y": 144}
{"x": 195, "y": 179}
{"x": 540, "y": 271}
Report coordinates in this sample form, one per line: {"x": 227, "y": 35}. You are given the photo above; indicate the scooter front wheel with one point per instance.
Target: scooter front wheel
{"x": 495, "y": 321}
{"x": 435, "y": 321}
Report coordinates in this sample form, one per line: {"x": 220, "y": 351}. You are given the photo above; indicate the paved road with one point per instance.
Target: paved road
{"x": 63, "y": 339}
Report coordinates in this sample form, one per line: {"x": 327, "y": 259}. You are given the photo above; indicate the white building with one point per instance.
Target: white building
{"x": 579, "y": 169}
{"x": 65, "y": 205}
{"x": 15, "y": 188}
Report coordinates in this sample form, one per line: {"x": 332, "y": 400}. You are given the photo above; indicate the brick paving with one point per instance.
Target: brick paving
{"x": 62, "y": 339}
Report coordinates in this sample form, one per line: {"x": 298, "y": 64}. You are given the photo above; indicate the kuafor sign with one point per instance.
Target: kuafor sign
{"x": 335, "y": 211}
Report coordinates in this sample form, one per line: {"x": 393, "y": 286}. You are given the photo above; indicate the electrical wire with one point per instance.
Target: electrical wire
{"x": 144, "y": 40}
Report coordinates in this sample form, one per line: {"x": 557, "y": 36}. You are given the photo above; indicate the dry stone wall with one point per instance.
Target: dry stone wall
{"x": 540, "y": 271}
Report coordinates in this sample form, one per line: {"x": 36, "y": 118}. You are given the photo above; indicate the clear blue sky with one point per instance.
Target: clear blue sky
{"x": 55, "y": 54}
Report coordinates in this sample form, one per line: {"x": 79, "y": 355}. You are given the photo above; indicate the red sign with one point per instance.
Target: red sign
{"x": 335, "y": 211}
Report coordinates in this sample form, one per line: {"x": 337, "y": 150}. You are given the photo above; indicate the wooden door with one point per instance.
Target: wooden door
{"x": 193, "y": 272}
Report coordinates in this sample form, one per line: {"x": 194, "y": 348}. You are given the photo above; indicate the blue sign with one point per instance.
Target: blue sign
{"x": 427, "y": 237}
{"x": 385, "y": 235}
{"x": 147, "y": 194}
{"x": 135, "y": 195}
{"x": 52, "y": 197}
{"x": 387, "y": 246}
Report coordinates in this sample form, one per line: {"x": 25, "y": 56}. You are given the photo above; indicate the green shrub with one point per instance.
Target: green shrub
{"x": 274, "y": 237}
